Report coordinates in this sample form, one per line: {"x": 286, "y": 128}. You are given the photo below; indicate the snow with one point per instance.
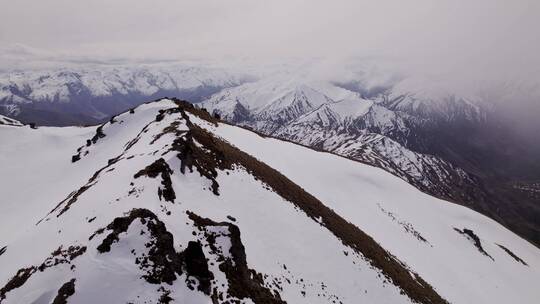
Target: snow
{"x": 377, "y": 131}
{"x": 355, "y": 191}
{"x": 275, "y": 234}
{"x": 267, "y": 96}
{"x": 342, "y": 112}
{"x": 63, "y": 84}
{"x": 354, "y": 107}
{"x": 280, "y": 241}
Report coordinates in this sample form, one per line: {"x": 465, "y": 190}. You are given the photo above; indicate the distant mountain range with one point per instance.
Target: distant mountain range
{"x": 91, "y": 95}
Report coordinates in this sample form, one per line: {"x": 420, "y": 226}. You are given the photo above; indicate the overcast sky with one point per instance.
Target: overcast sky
{"x": 462, "y": 32}
{"x": 465, "y": 41}
{"x": 459, "y": 41}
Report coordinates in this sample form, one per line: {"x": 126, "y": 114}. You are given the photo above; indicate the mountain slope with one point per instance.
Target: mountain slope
{"x": 364, "y": 130}
{"x": 443, "y": 144}
{"x": 456, "y": 146}
{"x": 158, "y": 206}
{"x": 128, "y": 234}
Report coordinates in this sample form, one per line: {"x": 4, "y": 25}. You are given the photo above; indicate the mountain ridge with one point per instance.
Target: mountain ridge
{"x": 451, "y": 145}
{"x": 165, "y": 181}
{"x": 90, "y": 95}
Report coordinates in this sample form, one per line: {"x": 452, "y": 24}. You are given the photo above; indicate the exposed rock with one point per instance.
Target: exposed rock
{"x": 17, "y": 281}
{"x": 57, "y": 257}
{"x": 67, "y": 290}
{"x": 513, "y": 255}
{"x": 165, "y": 261}
{"x": 99, "y": 134}
{"x": 243, "y": 281}
{"x": 75, "y": 158}
{"x": 160, "y": 167}
{"x": 62, "y": 256}
{"x": 197, "y": 266}
{"x": 475, "y": 239}
{"x": 219, "y": 155}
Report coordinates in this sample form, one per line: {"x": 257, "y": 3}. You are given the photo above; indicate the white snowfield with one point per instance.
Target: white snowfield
{"x": 48, "y": 202}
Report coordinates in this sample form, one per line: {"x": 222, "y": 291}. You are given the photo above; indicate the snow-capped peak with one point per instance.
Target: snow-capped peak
{"x": 165, "y": 203}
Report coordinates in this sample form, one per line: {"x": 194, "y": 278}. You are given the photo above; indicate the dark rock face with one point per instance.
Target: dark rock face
{"x": 192, "y": 156}
{"x": 62, "y": 256}
{"x": 163, "y": 263}
{"x": 67, "y": 290}
{"x": 160, "y": 167}
{"x": 197, "y": 266}
{"x": 17, "y": 281}
{"x": 475, "y": 239}
{"x": 59, "y": 256}
{"x": 514, "y": 256}
{"x": 99, "y": 134}
{"x": 75, "y": 158}
{"x": 166, "y": 262}
{"x": 243, "y": 281}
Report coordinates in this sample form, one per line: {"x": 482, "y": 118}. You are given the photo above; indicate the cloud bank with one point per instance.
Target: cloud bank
{"x": 432, "y": 35}
{"x": 461, "y": 44}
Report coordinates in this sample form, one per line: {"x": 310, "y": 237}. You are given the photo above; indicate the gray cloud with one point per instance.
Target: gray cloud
{"x": 429, "y": 33}
{"x": 463, "y": 44}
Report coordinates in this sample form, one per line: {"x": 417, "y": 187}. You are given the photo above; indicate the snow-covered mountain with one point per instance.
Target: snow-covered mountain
{"x": 335, "y": 119}
{"x": 67, "y": 96}
{"x": 453, "y": 146}
{"x": 9, "y": 121}
{"x": 164, "y": 204}
{"x": 446, "y": 141}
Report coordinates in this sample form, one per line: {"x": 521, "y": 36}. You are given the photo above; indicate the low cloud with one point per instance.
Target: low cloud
{"x": 452, "y": 45}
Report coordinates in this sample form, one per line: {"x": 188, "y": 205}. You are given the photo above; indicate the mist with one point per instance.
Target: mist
{"x": 491, "y": 46}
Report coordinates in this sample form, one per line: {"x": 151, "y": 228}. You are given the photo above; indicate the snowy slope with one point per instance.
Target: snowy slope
{"x": 377, "y": 131}
{"x": 150, "y": 208}
{"x": 436, "y": 136}
{"x": 435, "y": 100}
{"x": 419, "y": 229}
{"x": 274, "y": 101}
{"x": 129, "y": 221}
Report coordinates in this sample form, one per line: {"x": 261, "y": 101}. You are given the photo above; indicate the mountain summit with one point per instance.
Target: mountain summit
{"x": 165, "y": 203}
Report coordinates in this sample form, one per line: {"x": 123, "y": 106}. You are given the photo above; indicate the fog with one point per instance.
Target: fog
{"x": 461, "y": 44}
